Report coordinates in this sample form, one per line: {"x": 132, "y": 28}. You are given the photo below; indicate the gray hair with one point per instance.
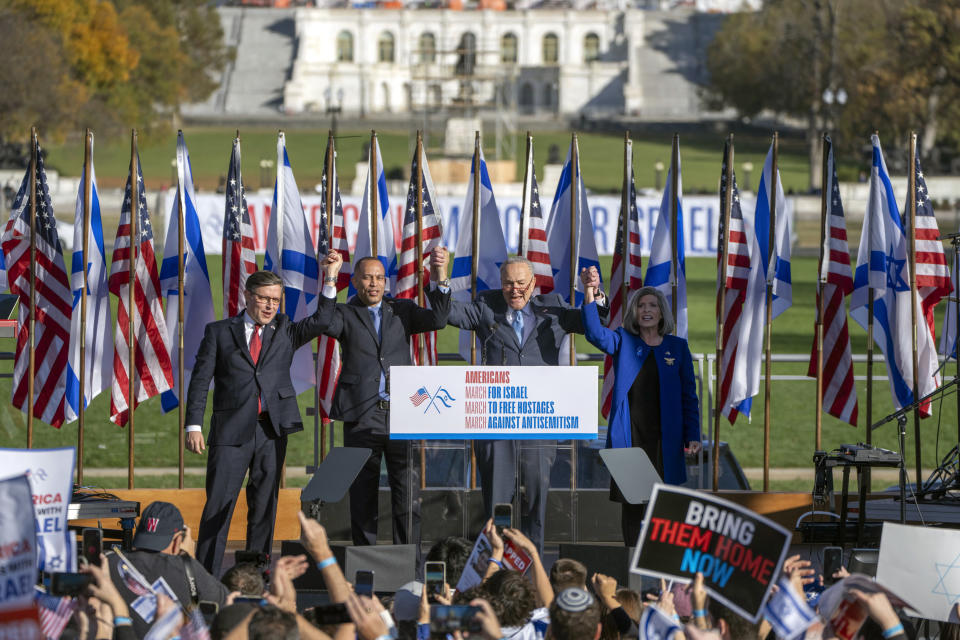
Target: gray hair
{"x": 515, "y": 260}
{"x": 630, "y": 314}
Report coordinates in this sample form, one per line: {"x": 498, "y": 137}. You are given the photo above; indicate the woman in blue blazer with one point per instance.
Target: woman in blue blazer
{"x": 654, "y": 402}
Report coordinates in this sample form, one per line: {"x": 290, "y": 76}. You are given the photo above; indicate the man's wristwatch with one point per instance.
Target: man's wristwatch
{"x": 329, "y": 280}
{"x": 444, "y": 283}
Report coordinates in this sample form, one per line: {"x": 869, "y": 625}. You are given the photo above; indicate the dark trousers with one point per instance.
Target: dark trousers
{"x": 403, "y": 476}
{"x": 631, "y": 522}
{"x": 227, "y": 466}
{"x": 497, "y": 465}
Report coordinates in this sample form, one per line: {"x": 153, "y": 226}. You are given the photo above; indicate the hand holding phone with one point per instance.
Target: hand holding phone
{"x": 503, "y": 516}
{"x": 70, "y": 584}
{"x": 832, "y": 561}
{"x": 447, "y": 618}
{"x": 92, "y": 541}
{"x": 435, "y": 577}
{"x": 363, "y": 583}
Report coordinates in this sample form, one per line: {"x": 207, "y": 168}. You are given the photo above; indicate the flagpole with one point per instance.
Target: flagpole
{"x": 87, "y": 203}
{"x": 374, "y": 205}
{"x": 771, "y": 267}
{"x": 474, "y": 266}
{"x": 724, "y": 246}
{"x": 132, "y": 299}
{"x": 331, "y": 158}
{"x": 31, "y": 325}
{"x": 674, "y": 219}
{"x": 181, "y": 267}
{"x": 525, "y": 198}
{"x": 912, "y": 217}
{"x": 824, "y": 195}
{"x": 625, "y": 220}
{"x": 574, "y": 245}
{"x": 870, "y": 315}
{"x": 421, "y": 301}
{"x": 281, "y": 200}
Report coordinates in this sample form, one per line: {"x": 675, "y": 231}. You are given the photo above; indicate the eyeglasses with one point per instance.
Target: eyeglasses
{"x": 515, "y": 285}
{"x": 266, "y": 300}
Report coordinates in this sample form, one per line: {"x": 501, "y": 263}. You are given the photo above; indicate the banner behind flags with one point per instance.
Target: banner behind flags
{"x": 739, "y": 552}
{"x": 50, "y": 472}
{"x": 292, "y": 256}
{"x": 238, "y": 260}
{"x": 197, "y": 299}
{"x": 386, "y": 250}
{"x": 18, "y": 563}
{"x": 838, "y": 390}
{"x": 99, "y": 352}
{"x": 558, "y": 234}
{"x": 53, "y": 301}
{"x": 492, "y": 248}
{"x": 882, "y": 265}
{"x": 777, "y": 266}
{"x": 661, "y": 265}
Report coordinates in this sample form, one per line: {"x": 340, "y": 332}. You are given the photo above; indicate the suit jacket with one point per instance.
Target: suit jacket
{"x": 679, "y": 407}
{"x": 364, "y": 356}
{"x": 224, "y": 357}
{"x": 487, "y": 316}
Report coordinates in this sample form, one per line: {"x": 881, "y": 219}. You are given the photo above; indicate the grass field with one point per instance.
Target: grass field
{"x": 792, "y": 408}
{"x": 601, "y": 157}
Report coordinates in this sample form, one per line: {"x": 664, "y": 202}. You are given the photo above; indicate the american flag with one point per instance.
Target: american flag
{"x": 54, "y": 301}
{"x": 328, "y": 350}
{"x": 55, "y": 613}
{"x": 239, "y": 259}
{"x": 533, "y": 237}
{"x": 734, "y": 278}
{"x": 629, "y": 246}
{"x": 154, "y": 373}
{"x": 195, "y": 628}
{"x": 420, "y": 397}
{"x": 838, "y": 391}
{"x": 132, "y": 578}
{"x": 432, "y": 227}
{"x": 933, "y": 274}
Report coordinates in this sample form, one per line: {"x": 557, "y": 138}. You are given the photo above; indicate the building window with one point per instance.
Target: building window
{"x": 385, "y": 47}
{"x": 551, "y": 49}
{"x": 508, "y": 48}
{"x": 591, "y": 48}
{"x": 526, "y": 98}
{"x": 466, "y": 55}
{"x": 548, "y": 95}
{"x": 344, "y": 46}
{"x": 428, "y": 48}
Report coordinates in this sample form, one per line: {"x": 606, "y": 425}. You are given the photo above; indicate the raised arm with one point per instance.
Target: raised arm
{"x": 598, "y": 335}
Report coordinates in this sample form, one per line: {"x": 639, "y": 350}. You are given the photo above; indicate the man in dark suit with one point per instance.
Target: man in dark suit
{"x": 514, "y": 327}
{"x": 374, "y": 334}
{"x": 248, "y": 358}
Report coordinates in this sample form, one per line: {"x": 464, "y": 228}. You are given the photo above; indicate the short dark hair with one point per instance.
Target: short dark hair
{"x": 511, "y": 596}
{"x": 272, "y": 623}
{"x": 259, "y": 279}
{"x": 567, "y": 572}
{"x": 630, "y": 601}
{"x": 356, "y": 265}
{"x": 454, "y": 551}
{"x": 244, "y": 577}
{"x": 574, "y": 625}
{"x": 739, "y": 627}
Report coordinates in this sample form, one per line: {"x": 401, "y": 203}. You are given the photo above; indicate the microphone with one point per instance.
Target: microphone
{"x": 483, "y": 346}
{"x": 949, "y": 236}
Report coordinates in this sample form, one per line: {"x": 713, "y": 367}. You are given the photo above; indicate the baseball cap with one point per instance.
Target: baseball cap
{"x": 159, "y": 522}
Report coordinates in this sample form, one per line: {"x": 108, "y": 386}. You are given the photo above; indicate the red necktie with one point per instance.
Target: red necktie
{"x": 255, "y": 345}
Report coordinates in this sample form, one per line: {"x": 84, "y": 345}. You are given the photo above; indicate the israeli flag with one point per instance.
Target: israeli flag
{"x": 656, "y": 625}
{"x": 98, "y": 365}
{"x": 492, "y": 248}
{"x": 788, "y": 614}
{"x": 777, "y": 266}
{"x": 197, "y": 299}
{"x": 882, "y": 266}
{"x": 660, "y": 266}
{"x": 292, "y": 256}
{"x": 558, "y": 232}
{"x": 386, "y": 247}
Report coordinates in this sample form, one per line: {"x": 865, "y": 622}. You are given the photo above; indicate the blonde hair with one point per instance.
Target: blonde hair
{"x": 630, "y": 314}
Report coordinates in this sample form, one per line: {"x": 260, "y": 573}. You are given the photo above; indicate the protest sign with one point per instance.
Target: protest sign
{"x": 925, "y": 563}
{"x": 50, "y": 472}
{"x": 739, "y": 552}
{"x": 514, "y": 559}
{"x": 843, "y": 613}
{"x": 18, "y": 556}
{"x": 21, "y": 623}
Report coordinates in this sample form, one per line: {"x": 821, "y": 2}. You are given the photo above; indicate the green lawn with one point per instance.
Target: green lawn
{"x": 601, "y": 157}
{"x": 793, "y": 402}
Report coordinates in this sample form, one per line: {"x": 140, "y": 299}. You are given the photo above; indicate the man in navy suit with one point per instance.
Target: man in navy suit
{"x": 515, "y": 327}
{"x": 248, "y": 358}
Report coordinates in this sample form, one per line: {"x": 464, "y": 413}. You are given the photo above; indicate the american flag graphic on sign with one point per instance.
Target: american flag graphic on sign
{"x": 420, "y": 397}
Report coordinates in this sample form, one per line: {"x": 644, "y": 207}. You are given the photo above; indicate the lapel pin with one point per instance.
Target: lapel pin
{"x": 669, "y": 361}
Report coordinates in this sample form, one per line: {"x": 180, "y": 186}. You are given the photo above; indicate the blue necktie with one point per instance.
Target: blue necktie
{"x": 518, "y": 325}
{"x": 375, "y": 317}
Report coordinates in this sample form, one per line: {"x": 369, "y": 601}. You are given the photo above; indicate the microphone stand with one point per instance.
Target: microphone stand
{"x": 901, "y": 418}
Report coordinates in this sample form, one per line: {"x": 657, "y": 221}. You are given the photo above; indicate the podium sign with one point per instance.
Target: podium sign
{"x": 503, "y": 403}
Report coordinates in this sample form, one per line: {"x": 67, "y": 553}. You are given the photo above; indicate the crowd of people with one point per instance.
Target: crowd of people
{"x": 158, "y": 590}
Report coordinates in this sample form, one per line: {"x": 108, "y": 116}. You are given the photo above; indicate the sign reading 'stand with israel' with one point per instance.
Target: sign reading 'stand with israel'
{"x": 477, "y": 403}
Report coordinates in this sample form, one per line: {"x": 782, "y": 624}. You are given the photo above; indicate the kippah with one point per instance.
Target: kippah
{"x": 574, "y": 600}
